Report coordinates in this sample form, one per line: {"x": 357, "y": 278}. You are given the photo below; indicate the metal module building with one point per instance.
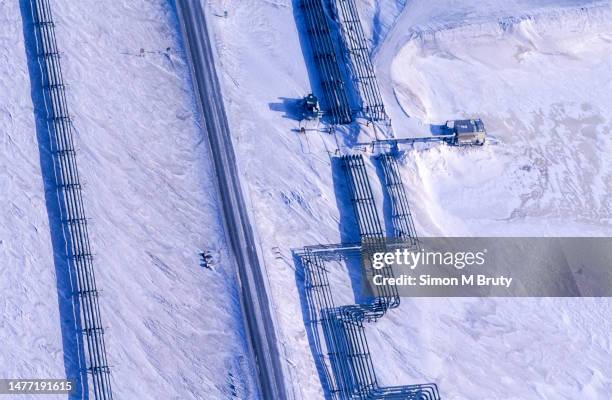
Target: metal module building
{"x": 467, "y": 132}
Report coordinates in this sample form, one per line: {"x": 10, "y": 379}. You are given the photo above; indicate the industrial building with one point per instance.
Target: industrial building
{"x": 467, "y": 132}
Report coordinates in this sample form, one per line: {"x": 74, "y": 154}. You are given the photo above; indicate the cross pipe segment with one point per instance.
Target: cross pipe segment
{"x": 359, "y": 53}
{"x": 74, "y": 220}
{"x": 370, "y": 229}
{"x": 349, "y": 373}
{"x": 403, "y": 224}
{"x": 327, "y": 61}
{"x": 362, "y": 197}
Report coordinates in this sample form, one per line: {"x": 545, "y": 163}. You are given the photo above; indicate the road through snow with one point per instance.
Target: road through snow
{"x": 256, "y": 304}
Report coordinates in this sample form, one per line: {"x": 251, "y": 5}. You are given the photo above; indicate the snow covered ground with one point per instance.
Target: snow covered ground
{"x": 542, "y": 86}
{"x": 174, "y": 330}
{"x": 538, "y": 73}
{"x": 30, "y": 336}
{"x": 541, "y": 82}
